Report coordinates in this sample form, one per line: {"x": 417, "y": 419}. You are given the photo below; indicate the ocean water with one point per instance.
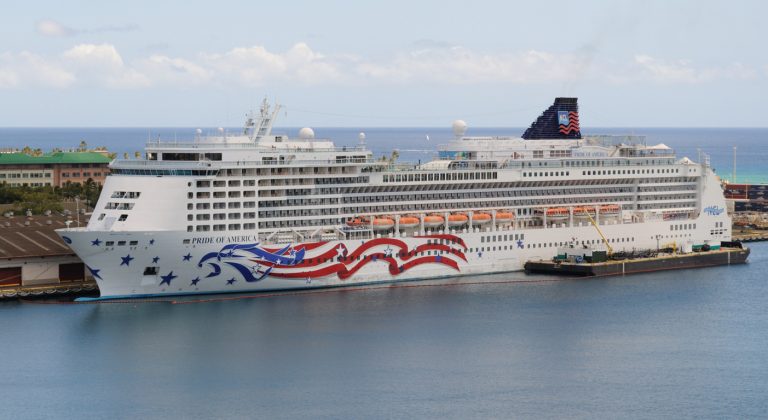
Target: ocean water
{"x": 683, "y": 344}
{"x": 420, "y": 144}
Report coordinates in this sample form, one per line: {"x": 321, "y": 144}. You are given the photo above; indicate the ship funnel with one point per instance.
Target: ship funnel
{"x": 559, "y": 121}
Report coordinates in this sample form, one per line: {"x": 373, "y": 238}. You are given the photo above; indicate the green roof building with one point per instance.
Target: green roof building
{"x": 54, "y": 169}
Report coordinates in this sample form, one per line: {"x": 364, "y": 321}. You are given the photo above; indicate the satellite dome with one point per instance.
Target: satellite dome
{"x": 199, "y": 131}
{"x": 361, "y": 136}
{"x": 306, "y": 133}
{"x": 459, "y": 128}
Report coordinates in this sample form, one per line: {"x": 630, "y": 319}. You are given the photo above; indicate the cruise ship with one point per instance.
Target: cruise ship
{"x": 259, "y": 211}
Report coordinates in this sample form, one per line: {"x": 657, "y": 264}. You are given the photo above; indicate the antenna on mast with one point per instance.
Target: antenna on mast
{"x": 258, "y": 126}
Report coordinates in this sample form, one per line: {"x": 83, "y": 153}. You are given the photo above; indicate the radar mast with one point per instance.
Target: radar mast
{"x": 258, "y": 126}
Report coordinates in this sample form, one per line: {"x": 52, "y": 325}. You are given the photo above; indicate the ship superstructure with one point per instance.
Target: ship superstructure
{"x": 259, "y": 211}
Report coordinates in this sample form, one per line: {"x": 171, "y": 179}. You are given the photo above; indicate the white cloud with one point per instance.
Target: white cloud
{"x": 434, "y": 63}
{"x": 56, "y": 29}
{"x": 255, "y": 66}
{"x": 102, "y": 64}
{"x": 28, "y": 69}
{"x": 52, "y": 28}
{"x": 173, "y": 71}
{"x": 458, "y": 65}
{"x": 683, "y": 71}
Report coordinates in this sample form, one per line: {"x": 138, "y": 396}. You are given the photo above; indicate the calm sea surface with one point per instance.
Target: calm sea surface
{"x": 684, "y": 344}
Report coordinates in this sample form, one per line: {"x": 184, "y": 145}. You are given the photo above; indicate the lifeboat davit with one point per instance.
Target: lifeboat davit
{"x": 456, "y": 220}
{"x": 584, "y": 212}
{"x": 408, "y": 222}
{"x": 383, "y": 223}
{"x": 481, "y": 218}
{"x": 610, "y": 210}
{"x": 557, "y": 213}
{"x": 504, "y": 217}
{"x": 433, "y": 221}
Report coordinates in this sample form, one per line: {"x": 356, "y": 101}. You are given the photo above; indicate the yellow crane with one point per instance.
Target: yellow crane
{"x": 605, "y": 241}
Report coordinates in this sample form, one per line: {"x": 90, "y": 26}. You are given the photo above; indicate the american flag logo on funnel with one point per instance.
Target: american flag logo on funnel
{"x": 569, "y": 122}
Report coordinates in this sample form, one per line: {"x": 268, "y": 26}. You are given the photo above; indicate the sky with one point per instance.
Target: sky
{"x": 382, "y": 63}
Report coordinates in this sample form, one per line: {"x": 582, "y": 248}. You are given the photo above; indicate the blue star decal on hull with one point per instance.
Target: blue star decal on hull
{"x": 96, "y": 242}
{"x": 195, "y": 281}
{"x": 155, "y": 260}
{"x": 94, "y": 272}
{"x": 127, "y": 260}
{"x": 231, "y": 281}
{"x": 520, "y": 243}
{"x": 187, "y": 257}
{"x": 167, "y": 278}
{"x": 151, "y": 241}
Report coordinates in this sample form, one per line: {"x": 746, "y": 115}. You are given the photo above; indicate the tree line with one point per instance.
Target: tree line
{"x": 40, "y": 199}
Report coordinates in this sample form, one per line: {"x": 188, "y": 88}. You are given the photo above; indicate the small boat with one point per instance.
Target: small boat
{"x": 504, "y": 217}
{"x": 610, "y": 210}
{"x": 383, "y": 223}
{"x": 481, "y": 218}
{"x": 456, "y": 220}
{"x": 433, "y": 221}
{"x": 584, "y": 212}
{"x": 358, "y": 222}
{"x": 408, "y": 222}
{"x": 557, "y": 213}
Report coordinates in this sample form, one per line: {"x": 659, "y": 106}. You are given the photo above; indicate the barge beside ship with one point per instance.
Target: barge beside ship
{"x": 728, "y": 254}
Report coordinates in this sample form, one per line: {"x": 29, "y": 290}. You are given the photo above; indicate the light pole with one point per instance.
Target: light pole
{"x": 77, "y": 209}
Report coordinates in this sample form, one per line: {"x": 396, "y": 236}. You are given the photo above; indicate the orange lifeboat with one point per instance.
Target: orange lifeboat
{"x": 504, "y": 217}
{"x": 610, "y": 210}
{"x": 433, "y": 221}
{"x": 408, "y": 222}
{"x": 584, "y": 212}
{"x": 383, "y": 223}
{"x": 557, "y": 213}
{"x": 481, "y": 218}
{"x": 358, "y": 222}
{"x": 456, "y": 220}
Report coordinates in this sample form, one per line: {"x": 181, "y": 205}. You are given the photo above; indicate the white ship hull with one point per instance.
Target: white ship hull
{"x": 184, "y": 269}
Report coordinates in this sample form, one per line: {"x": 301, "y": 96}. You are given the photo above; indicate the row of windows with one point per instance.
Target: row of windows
{"x": 554, "y": 173}
{"x": 162, "y": 172}
{"x": 631, "y": 171}
{"x": 221, "y": 194}
{"x": 684, "y": 226}
{"x": 455, "y": 176}
{"x": 122, "y": 218}
{"x": 222, "y": 216}
{"x": 222, "y": 205}
{"x": 221, "y": 183}
{"x": 119, "y": 206}
{"x": 221, "y": 227}
{"x": 79, "y": 175}
{"x": 17, "y": 175}
{"x": 126, "y": 194}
